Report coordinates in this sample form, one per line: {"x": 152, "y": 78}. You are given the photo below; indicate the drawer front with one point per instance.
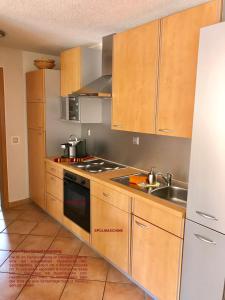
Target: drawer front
{"x": 158, "y": 216}
{"x": 54, "y": 169}
{"x": 54, "y": 207}
{"x": 54, "y": 186}
{"x": 111, "y": 196}
{"x": 35, "y": 115}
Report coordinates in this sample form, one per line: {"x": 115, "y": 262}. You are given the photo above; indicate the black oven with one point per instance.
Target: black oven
{"x": 77, "y": 199}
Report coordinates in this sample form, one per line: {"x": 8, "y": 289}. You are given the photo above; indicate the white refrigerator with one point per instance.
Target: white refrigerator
{"x": 203, "y": 269}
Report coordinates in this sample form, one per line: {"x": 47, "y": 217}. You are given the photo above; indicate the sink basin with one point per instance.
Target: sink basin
{"x": 172, "y": 193}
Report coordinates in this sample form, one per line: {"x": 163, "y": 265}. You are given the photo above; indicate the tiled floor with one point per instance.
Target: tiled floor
{"x": 41, "y": 260}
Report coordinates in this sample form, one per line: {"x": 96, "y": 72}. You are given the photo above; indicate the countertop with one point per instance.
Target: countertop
{"x": 105, "y": 178}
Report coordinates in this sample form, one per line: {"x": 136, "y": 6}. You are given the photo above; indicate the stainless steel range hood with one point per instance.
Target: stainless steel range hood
{"x": 101, "y": 87}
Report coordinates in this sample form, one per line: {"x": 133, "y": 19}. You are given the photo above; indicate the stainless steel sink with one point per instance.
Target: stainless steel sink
{"x": 172, "y": 193}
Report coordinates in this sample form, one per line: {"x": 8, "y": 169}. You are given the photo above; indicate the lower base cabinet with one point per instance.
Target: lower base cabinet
{"x": 54, "y": 207}
{"x": 156, "y": 259}
{"x": 110, "y": 232}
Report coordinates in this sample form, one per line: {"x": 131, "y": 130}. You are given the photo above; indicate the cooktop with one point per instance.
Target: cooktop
{"x": 97, "y": 165}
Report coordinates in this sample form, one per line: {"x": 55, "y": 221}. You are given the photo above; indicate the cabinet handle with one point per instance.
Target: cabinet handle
{"x": 105, "y": 195}
{"x": 52, "y": 169}
{"x": 52, "y": 178}
{"x": 204, "y": 239}
{"x": 116, "y": 125}
{"x": 141, "y": 225}
{"x": 166, "y": 130}
{"x": 206, "y": 216}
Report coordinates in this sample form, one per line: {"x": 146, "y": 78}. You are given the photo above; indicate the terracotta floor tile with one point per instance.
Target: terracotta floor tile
{"x": 32, "y": 215}
{"x": 35, "y": 243}
{"x": 11, "y": 285}
{"x": 65, "y": 233}
{"x": 46, "y": 228}
{"x": 66, "y": 245}
{"x": 4, "y": 224}
{"x": 27, "y": 206}
{"x": 42, "y": 288}
{"x": 19, "y": 226}
{"x": 53, "y": 265}
{"x": 3, "y": 256}
{"x": 90, "y": 268}
{"x": 9, "y": 214}
{"x": 123, "y": 291}
{"x": 10, "y": 241}
{"x": 87, "y": 251}
{"x": 83, "y": 290}
{"x": 115, "y": 276}
{"x": 21, "y": 263}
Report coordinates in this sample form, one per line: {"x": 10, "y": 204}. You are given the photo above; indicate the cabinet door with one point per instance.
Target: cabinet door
{"x": 178, "y": 63}
{"x": 203, "y": 271}
{"x": 35, "y": 86}
{"x": 135, "y": 71}
{"x": 36, "y": 115}
{"x": 36, "y": 152}
{"x": 70, "y": 71}
{"x": 156, "y": 259}
{"x": 110, "y": 232}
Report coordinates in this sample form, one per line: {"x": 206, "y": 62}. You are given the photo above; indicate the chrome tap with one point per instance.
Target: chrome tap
{"x": 167, "y": 178}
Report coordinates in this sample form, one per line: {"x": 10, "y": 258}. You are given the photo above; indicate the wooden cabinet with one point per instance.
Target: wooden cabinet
{"x": 42, "y": 87}
{"x": 54, "y": 186}
{"x": 54, "y": 207}
{"x": 178, "y": 65}
{"x": 36, "y": 153}
{"x": 135, "y": 73}
{"x": 110, "y": 232}
{"x": 35, "y": 86}
{"x": 36, "y": 115}
{"x": 154, "y": 72}
{"x": 156, "y": 259}
{"x": 70, "y": 71}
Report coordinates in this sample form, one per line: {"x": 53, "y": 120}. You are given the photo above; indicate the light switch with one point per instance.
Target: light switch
{"x": 15, "y": 140}
{"x": 136, "y": 140}
{"x": 89, "y": 132}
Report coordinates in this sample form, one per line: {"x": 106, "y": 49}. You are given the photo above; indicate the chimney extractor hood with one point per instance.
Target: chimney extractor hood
{"x": 101, "y": 87}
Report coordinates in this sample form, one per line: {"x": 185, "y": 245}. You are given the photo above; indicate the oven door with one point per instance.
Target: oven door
{"x": 77, "y": 203}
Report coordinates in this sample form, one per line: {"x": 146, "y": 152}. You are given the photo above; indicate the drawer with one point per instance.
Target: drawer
{"x": 54, "y": 169}
{"x": 111, "y": 196}
{"x": 54, "y": 186}
{"x": 54, "y": 207}
{"x": 35, "y": 115}
{"x": 159, "y": 215}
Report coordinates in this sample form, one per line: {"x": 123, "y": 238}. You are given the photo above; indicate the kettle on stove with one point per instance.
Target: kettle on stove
{"x": 74, "y": 147}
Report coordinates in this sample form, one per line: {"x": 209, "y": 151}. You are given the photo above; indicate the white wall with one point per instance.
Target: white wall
{"x": 15, "y": 110}
{"x": 15, "y": 63}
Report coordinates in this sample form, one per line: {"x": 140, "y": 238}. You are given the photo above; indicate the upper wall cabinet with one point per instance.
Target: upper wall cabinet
{"x": 178, "y": 64}
{"x": 135, "y": 71}
{"x": 79, "y": 66}
{"x": 154, "y": 86}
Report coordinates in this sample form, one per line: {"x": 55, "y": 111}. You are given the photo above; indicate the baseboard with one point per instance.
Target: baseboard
{"x": 19, "y": 202}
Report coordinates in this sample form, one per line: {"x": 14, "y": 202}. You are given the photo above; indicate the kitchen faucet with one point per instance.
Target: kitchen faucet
{"x": 167, "y": 178}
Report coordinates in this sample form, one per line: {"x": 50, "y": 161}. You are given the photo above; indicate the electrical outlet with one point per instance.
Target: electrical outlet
{"x": 136, "y": 140}
{"x": 89, "y": 132}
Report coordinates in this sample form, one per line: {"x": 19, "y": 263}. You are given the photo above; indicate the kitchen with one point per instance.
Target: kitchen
{"x": 123, "y": 141}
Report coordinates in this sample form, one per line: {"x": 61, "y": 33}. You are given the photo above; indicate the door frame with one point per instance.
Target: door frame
{"x": 3, "y": 150}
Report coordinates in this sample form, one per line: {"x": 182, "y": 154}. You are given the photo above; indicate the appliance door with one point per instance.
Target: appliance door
{"x": 206, "y": 195}
{"x": 77, "y": 203}
{"x": 203, "y": 272}
{"x": 74, "y": 109}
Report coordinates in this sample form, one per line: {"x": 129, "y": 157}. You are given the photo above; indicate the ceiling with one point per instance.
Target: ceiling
{"x": 49, "y": 26}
